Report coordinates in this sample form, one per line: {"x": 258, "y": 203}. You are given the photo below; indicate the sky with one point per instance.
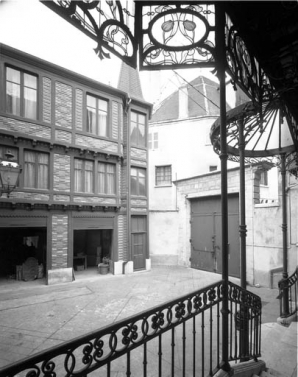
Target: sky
{"x": 30, "y": 26}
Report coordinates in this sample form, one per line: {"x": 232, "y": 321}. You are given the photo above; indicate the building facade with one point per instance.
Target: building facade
{"x": 185, "y": 205}
{"x": 198, "y": 199}
{"x": 179, "y": 148}
{"x": 82, "y": 194}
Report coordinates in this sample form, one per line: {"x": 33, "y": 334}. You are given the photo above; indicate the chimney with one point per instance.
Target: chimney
{"x": 183, "y": 101}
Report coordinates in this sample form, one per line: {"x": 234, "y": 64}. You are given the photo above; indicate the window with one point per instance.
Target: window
{"x": 83, "y": 176}
{"x": 153, "y": 140}
{"x": 137, "y": 129}
{"x": 212, "y": 168}
{"x": 138, "y": 181}
{"x": 106, "y": 178}
{"x": 21, "y": 93}
{"x": 163, "y": 175}
{"x": 97, "y": 116}
{"x": 264, "y": 177}
{"x": 36, "y": 170}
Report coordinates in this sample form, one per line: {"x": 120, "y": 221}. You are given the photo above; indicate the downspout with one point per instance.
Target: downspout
{"x": 220, "y": 66}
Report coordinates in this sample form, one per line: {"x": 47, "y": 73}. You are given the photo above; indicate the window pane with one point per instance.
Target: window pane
{"x": 30, "y": 81}
{"x": 78, "y": 178}
{"x": 102, "y": 105}
{"x": 88, "y": 176}
{"x": 133, "y": 117}
{"x": 91, "y": 120}
{"x": 43, "y": 171}
{"x": 134, "y": 133}
{"x": 29, "y": 169}
{"x": 101, "y": 181}
{"x": 142, "y": 186}
{"x": 142, "y": 135}
{"x": 111, "y": 179}
{"x": 163, "y": 175}
{"x": 13, "y": 75}
{"x": 91, "y": 102}
{"x": 30, "y": 103}
{"x": 102, "y": 124}
{"x": 155, "y": 145}
{"x": 13, "y": 93}
{"x": 133, "y": 181}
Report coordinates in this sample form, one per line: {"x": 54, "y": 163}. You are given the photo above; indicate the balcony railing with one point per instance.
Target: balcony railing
{"x": 180, "y": 337}
{"x": 288, "y": 290}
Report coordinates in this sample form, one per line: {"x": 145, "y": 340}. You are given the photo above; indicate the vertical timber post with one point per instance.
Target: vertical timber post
{"x": 220, "y": 66}
{"x": 284, "y": 227}
{"x": 244, "y": 338}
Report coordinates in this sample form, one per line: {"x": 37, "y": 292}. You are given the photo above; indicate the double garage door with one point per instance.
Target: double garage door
{"x": 206, "y": 247}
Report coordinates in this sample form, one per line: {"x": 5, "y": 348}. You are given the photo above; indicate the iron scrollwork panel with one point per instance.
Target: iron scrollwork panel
{"x": 106, "y": 22}
{"x": 175, "y": 36}
{"x": 244, "y": 69}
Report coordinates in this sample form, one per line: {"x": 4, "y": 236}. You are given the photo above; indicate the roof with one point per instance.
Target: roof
{"x": 270, "y": 31}
{"x": 203, "y": 100}
{"x": 129, "y": 82}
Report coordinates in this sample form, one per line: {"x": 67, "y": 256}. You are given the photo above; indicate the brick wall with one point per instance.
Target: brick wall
{"x": 61, "y": 173}
{"x": 47, "y": 100}
{"x": 122, "y": 237}
{"x": 59, "y": 241}
{"x": 91, "y": 142}
{"x": 63, "y": 105}
{"x": 27, "y": 128}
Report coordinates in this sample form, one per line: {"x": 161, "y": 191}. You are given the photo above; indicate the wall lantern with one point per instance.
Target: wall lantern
{"x": 9, "y": 174}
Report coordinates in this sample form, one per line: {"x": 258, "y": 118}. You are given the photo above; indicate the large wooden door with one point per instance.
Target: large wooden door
{"x": 206, "y": 249}
{"x": 139, "y": 241}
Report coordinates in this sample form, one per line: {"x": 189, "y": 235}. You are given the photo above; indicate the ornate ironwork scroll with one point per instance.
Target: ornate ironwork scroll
{"x": 106, "y": 22}
{"x": 266, "y": 133}
{"x": 244, "y": 68}
{"x": 102, "y": 348}
{"x": 177, "y": 35}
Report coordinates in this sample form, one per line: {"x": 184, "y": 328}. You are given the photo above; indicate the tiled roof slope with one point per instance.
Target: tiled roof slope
{"x": 198, "y": 104}
{"x": 129, "y": 82}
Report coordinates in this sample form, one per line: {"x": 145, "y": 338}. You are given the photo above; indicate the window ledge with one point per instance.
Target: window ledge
{"x": 161, "y": 186}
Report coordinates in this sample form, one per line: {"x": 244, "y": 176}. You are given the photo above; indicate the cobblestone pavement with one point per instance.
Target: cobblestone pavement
{"x": 34, "y": 316}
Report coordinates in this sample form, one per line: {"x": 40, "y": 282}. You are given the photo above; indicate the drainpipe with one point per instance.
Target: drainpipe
{"x": 284, "y": 234}
{"x": 244, "y": 339}
{"x": 221, "y": 62}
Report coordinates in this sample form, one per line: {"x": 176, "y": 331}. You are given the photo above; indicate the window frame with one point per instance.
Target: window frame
{"x": 138, "y": 114}
{"x": 36, "y": 164}
{"x": 97, "y": 126}
{"x": 84, "y": 161}
{"x": 169, "y": 183}
{"x": 153, "y": 140}
{"x": 106, "y": 174}
{"x": 264, "y": 177}
{"x": 22, "y": 87}
{"x": 138, "y": 184}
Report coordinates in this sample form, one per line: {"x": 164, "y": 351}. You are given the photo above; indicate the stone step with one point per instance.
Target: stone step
{"x": 279, "y": 348}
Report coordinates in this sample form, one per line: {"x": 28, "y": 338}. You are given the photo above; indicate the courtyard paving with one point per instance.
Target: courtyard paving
{"x": 34, "y": 316}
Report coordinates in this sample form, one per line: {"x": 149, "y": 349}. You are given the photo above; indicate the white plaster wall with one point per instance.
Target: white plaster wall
{"x": 164, "y": 234}
{"x": 186, "y": 147}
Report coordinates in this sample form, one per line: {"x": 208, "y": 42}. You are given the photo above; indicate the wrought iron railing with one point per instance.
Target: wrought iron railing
{"x": 288, "y": 291}
{"x": 180, "y": 337}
